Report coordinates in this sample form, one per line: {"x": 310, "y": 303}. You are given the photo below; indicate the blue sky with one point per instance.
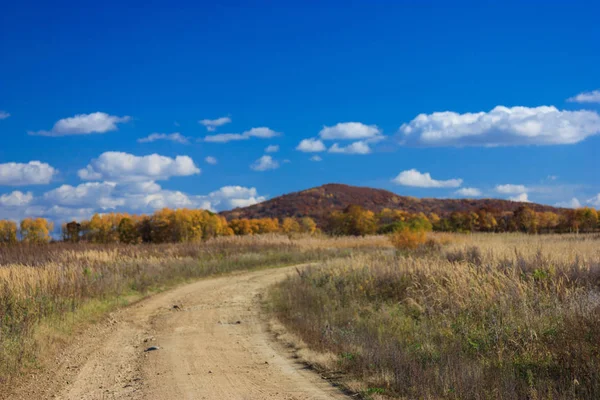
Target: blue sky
{"x": 507, "y": 94}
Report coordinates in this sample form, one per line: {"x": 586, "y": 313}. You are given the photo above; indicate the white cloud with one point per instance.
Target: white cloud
{"x": 173, "y": 137}
{"x": 212, "y": 124}
{"x": 68, "y": 202}
{"x": 4, "y": 114}
{"x": 573, "y": 203}
{"x": 349, "y": 131}
{"x": 89, "y": 194}
{"x": 224, "y": 198}
{"x": 210, "y": 160}
{"x": 523, "y": 198}
{"x": 511, "y": 189}
{"x": 595, "y": 201}
{"x": 264, "y": 163}
{"x": 124, "y": 167}
{"x": 154, "y": 201}
{"x": 83, "y": 124}
{"x": 468, "y": 192}
{"x": 502, "y": 126}
{"x": 16, "y": 199}
{"x": 32, "y": 173}
{"x": 424, "y": 180}
{"x": 261, "y": 132}
{"x": 138, "y": 187}
{"x": 311, "y": 146}
{"x": 586, "y": 97}
{"x": 229, "y": 197}
{"x": 316, "y": 158}
{"x": 272, "y": 149}
{"x": 225, "y": 137}
{"x": 359, "y": 147}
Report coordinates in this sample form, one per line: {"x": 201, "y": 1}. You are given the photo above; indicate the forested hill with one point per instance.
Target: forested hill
{"x": 320, "y": 201}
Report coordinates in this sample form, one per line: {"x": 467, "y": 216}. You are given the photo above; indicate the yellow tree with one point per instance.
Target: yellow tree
{"x": 8, "y": 232}
{"x": 289, "y": 226}
{"x": 36, "y": 230}
{"x": 241, "y": 226}
{"x": 308, "y": 225}
{"x": 586, "y": 218}
{"x": 128, "y": 231}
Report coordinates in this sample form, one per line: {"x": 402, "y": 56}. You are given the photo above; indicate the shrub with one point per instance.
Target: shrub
{"x": 407, "y": 239}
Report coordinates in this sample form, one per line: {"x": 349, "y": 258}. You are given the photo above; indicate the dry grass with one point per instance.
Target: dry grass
{"x": 489, "y": 316}
{"x": 46, "y": 289}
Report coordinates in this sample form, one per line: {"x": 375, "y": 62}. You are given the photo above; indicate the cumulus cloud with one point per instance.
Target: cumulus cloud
{"x": 586, "y": 97}
{"x": 502, "y": 126}
{"x": 20, "y": 174}
{"x": 316, "y": 158}
{"x": 124, "y": 167}
{"x": 511, "y": 189}
{"x": 311, "y": 146}
{"x": 595, "y": 201}
{"x": 141, "y": 197}
{"x": 264, "y": 163}
{"x": 4, "y": 114}
{"x": 272, "y": 149}
{"x": 261, "y": 133}
{"x": 16, "y": 199}
{"x": 468, "y": 192}
{"x": 173, "y": 137}
{"x": 415, "y": 178}
{"x": 229, "y": 197}
{"x": 138, "y": 187}
{"x": 349, "y": 131}
{"x": 359, "y": 147}
{"x": 84, "y": 124}
{"x": 67, "y": 202}
{"x": 573, "y": 203}
{"x": 523, "y": 198}
{"x": 212, "y": 124}
{"x": 210, "y": 160}
{"x": 90, "y": 195}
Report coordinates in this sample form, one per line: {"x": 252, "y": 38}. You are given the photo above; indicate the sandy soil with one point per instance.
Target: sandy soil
{"x": 212, "y": 345}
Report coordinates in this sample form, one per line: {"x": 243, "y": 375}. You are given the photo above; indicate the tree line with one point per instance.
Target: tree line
{"x": 163, "y": 226}
{"x": 187, "y": 225}
{"x": 355, "y": 220}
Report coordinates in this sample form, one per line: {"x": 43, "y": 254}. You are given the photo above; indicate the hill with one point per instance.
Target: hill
{"x": 318, "y": 202}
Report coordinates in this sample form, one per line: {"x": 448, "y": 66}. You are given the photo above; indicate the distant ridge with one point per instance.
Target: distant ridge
{"x": 318, "y": 202}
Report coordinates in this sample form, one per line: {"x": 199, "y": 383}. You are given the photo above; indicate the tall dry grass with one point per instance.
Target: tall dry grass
{"x": 487, "y": 317}
{"x": 53, "y": 282}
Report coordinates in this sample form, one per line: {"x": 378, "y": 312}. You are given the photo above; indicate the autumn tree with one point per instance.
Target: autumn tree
{"x": 128, "y": 231}
{"x": 586, "y": 219}
{"x": 8, "y": 232}
{"x": 548, "y": 221}
{"x": 526, "y": 219}
{"x": 36, "y": 230}
{"x": 290, "y": 225}
{"x": 241, "y": 226}
{"x": 308, "y": 225}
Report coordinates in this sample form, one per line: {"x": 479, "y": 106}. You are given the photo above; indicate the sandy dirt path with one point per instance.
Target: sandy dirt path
{"x": 214, "y": 345}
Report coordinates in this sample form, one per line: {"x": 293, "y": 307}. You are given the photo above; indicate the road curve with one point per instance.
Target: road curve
{"x": 213, "y": 345}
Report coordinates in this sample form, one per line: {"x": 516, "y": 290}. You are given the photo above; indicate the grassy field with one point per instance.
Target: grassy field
{"x": 483, "y": 316}
{"x": 47, "y": 291}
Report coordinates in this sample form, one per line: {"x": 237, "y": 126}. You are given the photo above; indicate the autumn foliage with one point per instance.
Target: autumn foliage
{"x": 187, "y": 225}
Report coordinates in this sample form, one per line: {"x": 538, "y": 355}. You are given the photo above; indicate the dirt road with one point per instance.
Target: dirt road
{"x": 214, "y": 345}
